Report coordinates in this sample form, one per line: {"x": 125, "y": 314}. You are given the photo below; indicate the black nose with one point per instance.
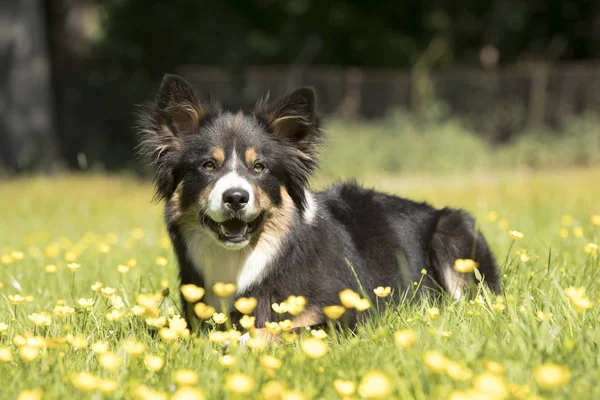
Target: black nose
{"x": 235, "y": 198}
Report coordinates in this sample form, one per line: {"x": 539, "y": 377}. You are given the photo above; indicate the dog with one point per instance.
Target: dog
{"x": 238, "y": 208}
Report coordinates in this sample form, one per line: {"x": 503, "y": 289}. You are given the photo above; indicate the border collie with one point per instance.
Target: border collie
{"x": 239, "y": 209}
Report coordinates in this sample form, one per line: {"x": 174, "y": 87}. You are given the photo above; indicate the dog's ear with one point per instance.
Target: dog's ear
{"x": 293, "y": 118}
{"x": 178, "y": 106}
{"x": 162, "y": 126}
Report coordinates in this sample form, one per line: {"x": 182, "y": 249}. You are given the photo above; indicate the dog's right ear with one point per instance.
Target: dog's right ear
{"x": 178, "y": 106}
{"x": 177, "y": 112}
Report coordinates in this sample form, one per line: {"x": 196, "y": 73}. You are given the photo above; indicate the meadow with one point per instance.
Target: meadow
{"x": 89, "y": 303}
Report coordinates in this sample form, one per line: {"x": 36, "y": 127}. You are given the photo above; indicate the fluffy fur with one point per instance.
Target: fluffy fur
{"x": 238, "y": 209}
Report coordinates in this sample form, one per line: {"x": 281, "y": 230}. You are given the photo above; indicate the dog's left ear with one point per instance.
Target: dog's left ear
{"x": 293, "y": 118}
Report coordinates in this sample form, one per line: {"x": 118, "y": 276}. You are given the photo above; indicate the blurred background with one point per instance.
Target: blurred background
{"x": 419, "y": 86}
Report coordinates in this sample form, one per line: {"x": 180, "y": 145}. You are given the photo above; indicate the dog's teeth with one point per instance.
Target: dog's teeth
{"x": 223, "y": 230}
{"x": 245, "y": 230}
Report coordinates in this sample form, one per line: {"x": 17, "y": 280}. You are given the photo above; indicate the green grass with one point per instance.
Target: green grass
{"x": 48, "y": 218}
{"x": 400, "y": 143}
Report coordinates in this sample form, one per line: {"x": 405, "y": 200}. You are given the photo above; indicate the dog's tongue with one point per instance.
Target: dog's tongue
{"x": 234, "y": 227}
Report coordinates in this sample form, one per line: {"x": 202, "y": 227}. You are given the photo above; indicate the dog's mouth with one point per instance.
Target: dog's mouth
{"x": 235, "y": 232}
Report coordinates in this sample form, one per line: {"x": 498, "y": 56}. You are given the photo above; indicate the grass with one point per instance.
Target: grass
{"x": 105, "y": 222}
{"x": 400, "y": 143}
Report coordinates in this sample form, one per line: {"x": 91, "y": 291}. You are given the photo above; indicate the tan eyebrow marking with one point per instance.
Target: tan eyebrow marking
{"x": 250, "y": 156}
{"x": 219, "y": 155}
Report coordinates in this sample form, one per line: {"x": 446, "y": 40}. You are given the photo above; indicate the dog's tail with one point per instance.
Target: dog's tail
{"x": 456, "y": 237}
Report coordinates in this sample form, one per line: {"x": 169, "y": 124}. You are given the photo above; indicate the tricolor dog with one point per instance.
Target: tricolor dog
{"x": 238, "y": 209}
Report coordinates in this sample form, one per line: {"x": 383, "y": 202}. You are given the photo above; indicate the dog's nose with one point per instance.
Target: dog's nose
{"x": 235, "y": 198}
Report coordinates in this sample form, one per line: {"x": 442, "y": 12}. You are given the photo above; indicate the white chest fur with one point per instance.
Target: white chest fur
{"x": 245, "y": 267}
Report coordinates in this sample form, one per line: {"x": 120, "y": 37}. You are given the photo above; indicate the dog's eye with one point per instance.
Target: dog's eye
{"x": 208, "y": 166}
{"x": 258, "y": 167}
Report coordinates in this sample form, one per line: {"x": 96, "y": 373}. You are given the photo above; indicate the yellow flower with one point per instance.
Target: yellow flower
{"x": 192, "y": 293}
{"x": 117, "y": 302}
{"x": 100, "y": 347}
{"x": 29, "y": 353}
{"x": 543, "y": 316}
{"x": 203, "y": 311}
{"x": 334, "y": 312}
{"x": 154, "y": 363}
{"x": 33, "y": 394}
{"x": 5, "y": 354}
{"x": 435, "y": 361}
{"x": 596, "y": 219}
{"x": 280, "y": 308}
{"x": 164, "y": 283}
{"x": 41, "y": 319}
{"x": 295, "y": 304}
{"x": 16, "y": 299}
{"x": 292, "y": 395}
{"x": 582, "y": 304}
{"x": 247, "y": 322}
{"x": 563, "y": 233}
{"x": 188, "y": 393}
{"x": 227, "y": 361}
{"x": 313, "y": 347}
{"x": 110, "y": 361}
{"x": 381, "y": 291}
{"x": 159, "y": 322}
{"x": 272, "y": 327}
{"x": 465, "y": 265}
{"x": 566, "y": 220}
{"x": 286, "y": 325}
{"x": 168, "y": 335}
{"x": 492, "y": 216}
{"x": 458, "y": 372}
{"x": 551, "y": 376}
{"x": 524, "y": 257}
{"x": 494, "y": 367}
{"x": 142, "y": 392}
{"x": 578, "y": 232}
{"x": 219, "y": 318}
{"x": 178, "y": 324}
{"x": 122, "y": 268}
{"x": 138, "y": 310}
{"x": 79, "y": 342}
{"x": 63, "y": 311}
{"x": 491, "y": 385}
{"x": 516, "y": 235}
{"x": 103, "y": 248}
{"x": 349, "y": 298}
{"x": 433, "y": 312}
{"x": 239, "y": 383}
{"x": 375, "y": 385}
{"x": 344, "y": 388}
{"x": 405, "y": 338}
{"x": 84, "y": 381}
{"x": 185, "y": 377}
{"x": 272, "y": 390}
{"x": 162, "y": 261}
{"x": 107, "y": 385}
{"x": 50, "y": 269}
{"x": 591, "y": 249}
{"x": 224, "y": 289}
{"x": 362, "y": 305}
{"x": 270, "y": 362}
{"x": 3, "y": 327}
{"x": 573, "y": 292}
{"x": 134, "y": 348}
{"x": 245, "y": 305}
{"x": 107, "y": 292}
{"x": 73, "y": 267}
{"x": 6, "y": 259}
{"x": 115, "y": 315}
{"x": 318, "y": 333}
{"x": 257, "y": 343}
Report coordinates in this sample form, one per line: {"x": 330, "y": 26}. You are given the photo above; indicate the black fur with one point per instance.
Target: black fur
{"x": 382, "y": 240}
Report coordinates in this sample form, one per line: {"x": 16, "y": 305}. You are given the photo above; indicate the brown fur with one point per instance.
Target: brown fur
{"x": 250, "y": 156}
{"x": 219, "y": 155}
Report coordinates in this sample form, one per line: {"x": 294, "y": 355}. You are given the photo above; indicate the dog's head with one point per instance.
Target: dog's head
{"x": 232, "y": 173}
